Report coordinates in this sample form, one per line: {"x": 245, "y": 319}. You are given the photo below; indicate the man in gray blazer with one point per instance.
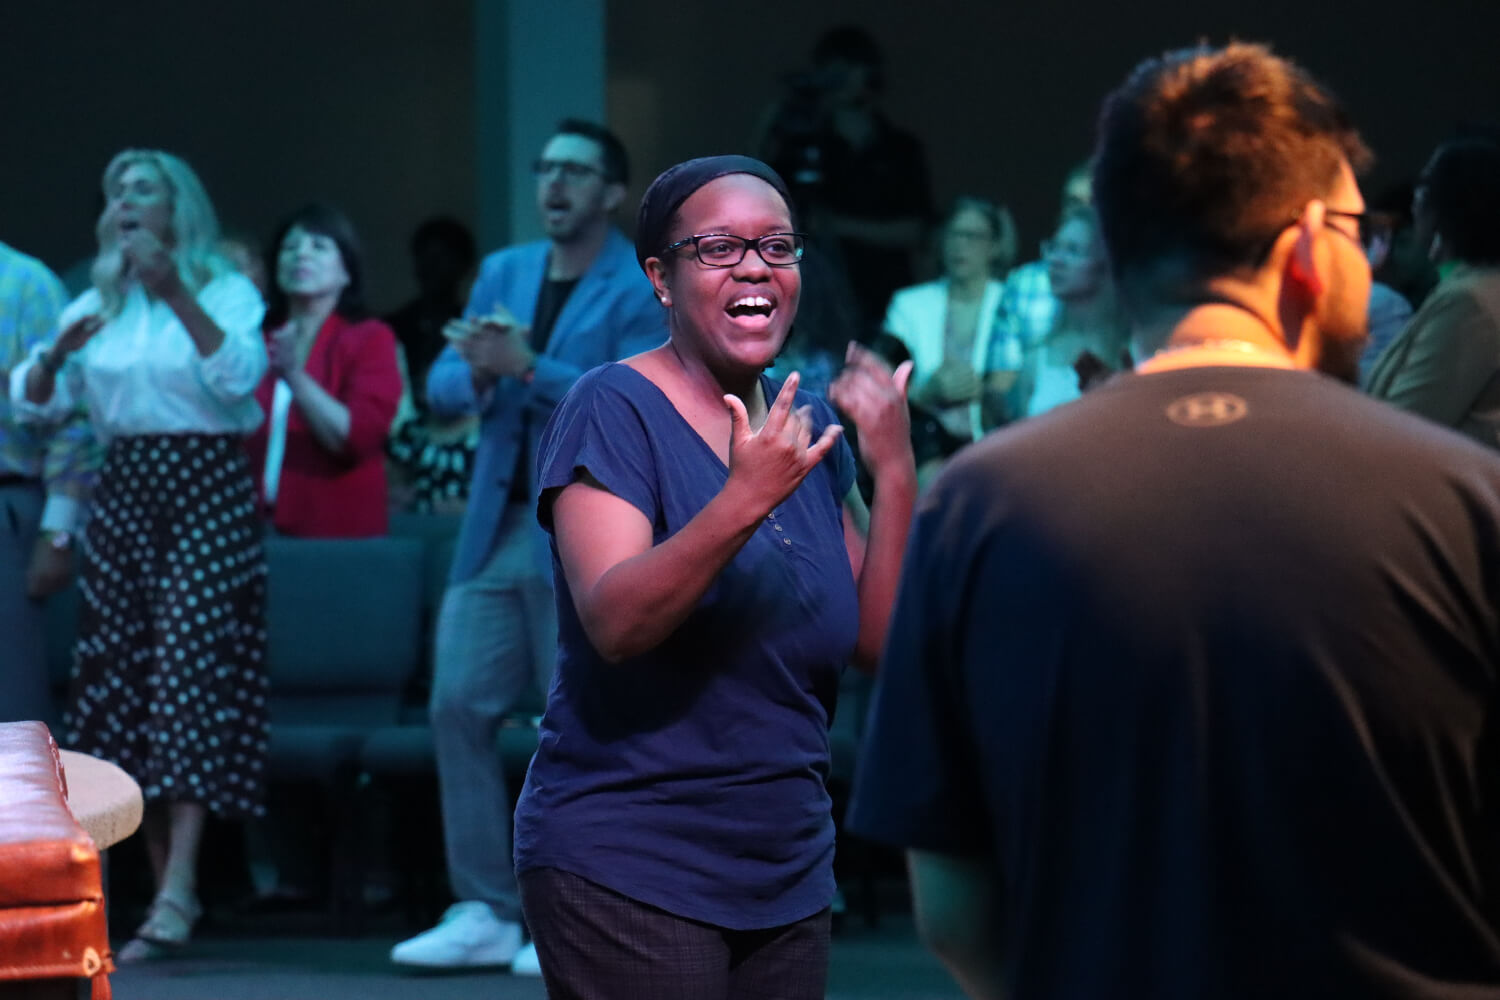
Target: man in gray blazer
{"x": 541, "y": 314}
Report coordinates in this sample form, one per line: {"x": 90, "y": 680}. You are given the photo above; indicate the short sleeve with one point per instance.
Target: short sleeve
{"x": 917, "y": 785}
{"x": 598, "y": 427}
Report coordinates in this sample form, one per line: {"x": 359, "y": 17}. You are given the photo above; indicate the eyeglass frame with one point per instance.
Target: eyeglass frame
{"x": 1365, "y": 224}
{"x": 1362, "y": 220}
{"x": 571, "y": 170}
{"x": 747, "y": 245}
{"x": 1051, "y": 248}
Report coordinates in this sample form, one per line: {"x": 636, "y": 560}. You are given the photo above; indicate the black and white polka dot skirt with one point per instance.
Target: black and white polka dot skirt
{"x": 169, "y": 681}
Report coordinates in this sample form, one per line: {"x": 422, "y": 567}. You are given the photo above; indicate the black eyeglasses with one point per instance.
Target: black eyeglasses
{"x": 1367, "y": 227}
{"x": 724, "y": 250}
{"x": 571, "y": 170}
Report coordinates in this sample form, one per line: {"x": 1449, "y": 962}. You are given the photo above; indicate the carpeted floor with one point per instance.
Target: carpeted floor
{"x": 883, "y": 962}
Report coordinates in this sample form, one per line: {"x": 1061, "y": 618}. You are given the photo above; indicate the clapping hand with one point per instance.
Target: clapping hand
{"x": 283, "y": 353}
{"x": 151, "y": 262}
{"x": 954, "y": 382}
{"x": 770, "y": 463}
{"x": 874, "y": 398}
{"x": 494, "y": 345}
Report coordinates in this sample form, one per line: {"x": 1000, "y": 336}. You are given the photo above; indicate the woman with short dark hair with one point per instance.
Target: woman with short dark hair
{"x": 333, "y": 387}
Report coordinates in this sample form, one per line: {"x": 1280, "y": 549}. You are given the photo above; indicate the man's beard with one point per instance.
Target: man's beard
{"x": 1339, "y": 357}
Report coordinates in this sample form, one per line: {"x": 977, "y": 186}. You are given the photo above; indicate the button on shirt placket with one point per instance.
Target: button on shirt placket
{"x": 780, "y": 532}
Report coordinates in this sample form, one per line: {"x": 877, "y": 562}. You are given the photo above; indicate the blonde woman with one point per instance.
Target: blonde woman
{"x": 169, "y": 677}
{"x": 948, "y": 325}
{"x": 1088, "y": 334}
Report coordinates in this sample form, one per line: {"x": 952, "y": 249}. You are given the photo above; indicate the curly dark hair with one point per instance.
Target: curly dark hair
{"x": 1204, "y": 156}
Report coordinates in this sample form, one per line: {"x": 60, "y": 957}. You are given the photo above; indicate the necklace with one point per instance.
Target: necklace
{"x": 1221, "y": 346}
{"x": 1242, "y": 346}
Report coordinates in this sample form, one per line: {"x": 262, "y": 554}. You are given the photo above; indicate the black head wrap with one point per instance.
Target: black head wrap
{"x": 675, "y": 184}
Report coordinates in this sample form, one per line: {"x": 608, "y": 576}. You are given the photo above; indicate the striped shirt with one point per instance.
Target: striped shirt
{"x": 64, "y": 455}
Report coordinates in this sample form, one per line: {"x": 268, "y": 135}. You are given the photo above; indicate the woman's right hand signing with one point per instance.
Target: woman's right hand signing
{"x": 874, "y": 398}
{"x": 770, "y": 463}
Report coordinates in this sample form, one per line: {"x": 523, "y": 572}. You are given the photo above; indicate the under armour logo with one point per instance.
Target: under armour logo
{"x": 1207, "y": 409}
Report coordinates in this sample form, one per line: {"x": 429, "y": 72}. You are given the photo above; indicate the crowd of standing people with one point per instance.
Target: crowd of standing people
{"x": 1186, "y": 672}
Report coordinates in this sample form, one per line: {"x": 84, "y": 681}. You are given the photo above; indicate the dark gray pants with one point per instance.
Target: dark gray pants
{"x": 24, "y": 693}
{"x": 595, "y": 944}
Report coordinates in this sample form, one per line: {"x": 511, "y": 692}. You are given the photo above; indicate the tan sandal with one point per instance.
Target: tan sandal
{"x": 170, "y": 921}
{"x": 136, "y": 950}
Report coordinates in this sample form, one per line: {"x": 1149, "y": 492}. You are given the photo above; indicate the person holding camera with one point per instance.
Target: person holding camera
{"x": 860, "y": 182}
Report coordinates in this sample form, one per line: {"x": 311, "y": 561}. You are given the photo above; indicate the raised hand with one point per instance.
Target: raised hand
{"x": 74, "y": 336}
{"x": 874, "y": 398}
{"x": 769, "y": 464}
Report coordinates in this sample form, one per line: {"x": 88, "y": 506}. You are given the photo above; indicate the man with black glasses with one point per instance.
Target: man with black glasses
{"x": 540, "y": 315}
{"x": 1212, "y": 709}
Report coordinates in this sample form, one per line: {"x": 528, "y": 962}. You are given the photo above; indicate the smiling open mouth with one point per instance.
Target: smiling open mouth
{"x": 750, "y": 305}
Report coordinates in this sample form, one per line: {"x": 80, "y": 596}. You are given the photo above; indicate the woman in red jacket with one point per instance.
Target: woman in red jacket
{"x": 332, "y": 390}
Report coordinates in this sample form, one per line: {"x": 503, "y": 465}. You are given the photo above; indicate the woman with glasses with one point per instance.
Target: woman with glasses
{"x": 674, "y": 837}
{"x": 1088, "y": 335}
{"x": 947, "y": 324}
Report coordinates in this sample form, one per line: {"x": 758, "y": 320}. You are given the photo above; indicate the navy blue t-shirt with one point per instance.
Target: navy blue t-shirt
{"x": 692, "y": 778}
{"x": 1208, "y": 664}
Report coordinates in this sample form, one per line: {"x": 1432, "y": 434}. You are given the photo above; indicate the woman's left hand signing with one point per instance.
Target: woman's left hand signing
{"x": 874, "y": 399}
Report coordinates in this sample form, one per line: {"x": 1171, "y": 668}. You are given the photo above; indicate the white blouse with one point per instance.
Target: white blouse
{"x": 142, "y": 373}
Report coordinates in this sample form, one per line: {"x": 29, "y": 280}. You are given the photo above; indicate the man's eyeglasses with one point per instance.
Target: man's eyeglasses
{"x": 1369, "y": 228}
{"x": 571, "y": 170}
{"x": 1070, "y": 251}
{"x": 724, "y": 250}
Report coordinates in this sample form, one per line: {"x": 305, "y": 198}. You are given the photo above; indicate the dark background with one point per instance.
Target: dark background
{"x": 372, "y": 104}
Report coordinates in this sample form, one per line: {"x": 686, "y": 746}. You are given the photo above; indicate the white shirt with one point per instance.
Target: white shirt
{"x": 918, "y": 317}
{"x": 142, "y": 373}
{"x": 281, "y": 407}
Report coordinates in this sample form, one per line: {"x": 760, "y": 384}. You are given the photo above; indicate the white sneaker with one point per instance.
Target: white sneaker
{"x": 526, "y": 963}
{"x": 469, "y": 935}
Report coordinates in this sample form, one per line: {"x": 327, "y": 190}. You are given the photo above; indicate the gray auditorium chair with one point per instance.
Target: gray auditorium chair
{"x": 345, "y": 638}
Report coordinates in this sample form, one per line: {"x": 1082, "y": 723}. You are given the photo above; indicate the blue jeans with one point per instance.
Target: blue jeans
{"x": 496, "y": 634}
